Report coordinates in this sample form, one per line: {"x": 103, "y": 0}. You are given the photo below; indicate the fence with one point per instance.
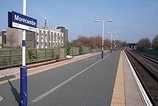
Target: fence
{"x": 12, "y": 57}
{"x": 149, "y": 51}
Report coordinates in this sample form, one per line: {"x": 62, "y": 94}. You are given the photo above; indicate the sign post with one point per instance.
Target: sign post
{"x": 21, "y": 21}
{"x": 17, "y": 20}
{"x": 23, "y": 68}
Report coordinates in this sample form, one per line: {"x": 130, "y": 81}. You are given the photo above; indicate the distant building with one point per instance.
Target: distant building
{"x": 42, "y": 38}
{"x": 57, "y": 37}
{"x": 49, "y": 38}
{"x": 3, "y": 36}
{"x": 65, "y": 31}
{"x": 132, "y": 45}
{"x": 12, "y": 38}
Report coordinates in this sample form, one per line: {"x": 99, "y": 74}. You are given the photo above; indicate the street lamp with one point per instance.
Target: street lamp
{"x": 102, "y": 54}
{"x": 115, "y": 41}
{"x": 111, "y": 48}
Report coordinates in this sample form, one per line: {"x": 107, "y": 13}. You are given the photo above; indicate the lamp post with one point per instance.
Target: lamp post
{"x": 115, "y": 41}
{"x": 111, "y": 48}
{"x": 102, "y": 53}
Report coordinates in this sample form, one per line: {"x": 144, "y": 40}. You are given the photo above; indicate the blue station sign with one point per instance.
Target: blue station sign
{"x": 18, "y": 20}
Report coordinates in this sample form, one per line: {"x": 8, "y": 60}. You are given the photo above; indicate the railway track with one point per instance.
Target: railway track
{"x": 147, "y": 71}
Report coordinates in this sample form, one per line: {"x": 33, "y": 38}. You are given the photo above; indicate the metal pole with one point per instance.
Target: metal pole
{"x": 111, "y": 43}
{"x": 114, "y": 43}
{"x": 102, "y": 54}
{"x": 23, "y": 68}
{"x": 103, "y": 41}
{"x": 24, "y": 35}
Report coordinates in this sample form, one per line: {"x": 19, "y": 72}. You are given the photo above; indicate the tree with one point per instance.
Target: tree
{"x": 155, "y": 42}
{"x": 0, "y": 39}
{"x": 144, "y": 43}
{"x": 96, "y": 42}
{"x": 120, "y": 44}
{"x": 124, "y": 43}
{"x": 81, "y": 41}
{"x": 107, "y": 43}
{"x": 93, "y": 42}
{"x": 11, "y": 39}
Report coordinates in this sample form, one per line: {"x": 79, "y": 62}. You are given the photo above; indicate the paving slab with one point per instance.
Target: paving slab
{"x": 126, "y": 91}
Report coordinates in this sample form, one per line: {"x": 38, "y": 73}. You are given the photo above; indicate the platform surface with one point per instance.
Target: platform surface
{"x": 126, "y": 91}
{"x": 80, "y": 80}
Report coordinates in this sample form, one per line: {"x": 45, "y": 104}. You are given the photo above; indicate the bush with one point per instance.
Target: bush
{"x": 0, "y": 45}
{"x": 31, "y": 54}
{"x": 80, "y": 50}
{"x": 68, "y": 50}
{"x": 57, "y": 56}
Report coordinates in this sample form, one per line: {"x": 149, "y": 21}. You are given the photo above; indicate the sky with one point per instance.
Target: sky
{"x": 131, "y": 19}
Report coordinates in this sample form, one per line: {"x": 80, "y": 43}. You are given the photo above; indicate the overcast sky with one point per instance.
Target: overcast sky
{"x": 132, "y": 19}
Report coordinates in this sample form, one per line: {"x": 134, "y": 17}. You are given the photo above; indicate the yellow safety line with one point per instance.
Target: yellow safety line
{"x": 118, "y": 98}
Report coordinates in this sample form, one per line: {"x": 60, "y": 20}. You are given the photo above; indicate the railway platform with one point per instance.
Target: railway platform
{"x": 125, "y": 93}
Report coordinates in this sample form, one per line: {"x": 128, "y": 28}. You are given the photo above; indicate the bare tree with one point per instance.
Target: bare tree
{"x": 107, "y": 43}
{"x": 93, "y": 42}
{"x": 155, "y": 42}
{"x": 96, "y": 42}
{"x": 11, "y": 39}
{"x": 144, "y": 43}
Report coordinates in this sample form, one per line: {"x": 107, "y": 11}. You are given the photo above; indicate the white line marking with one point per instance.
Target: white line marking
{"x": 60, "y": 85}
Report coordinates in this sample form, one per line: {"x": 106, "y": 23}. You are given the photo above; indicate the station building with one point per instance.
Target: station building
{"x": 12, "y": 37}
{"x": 42, "y": 38}
{"x": 57, "y": 37}
{"x": 2, "y": 36}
